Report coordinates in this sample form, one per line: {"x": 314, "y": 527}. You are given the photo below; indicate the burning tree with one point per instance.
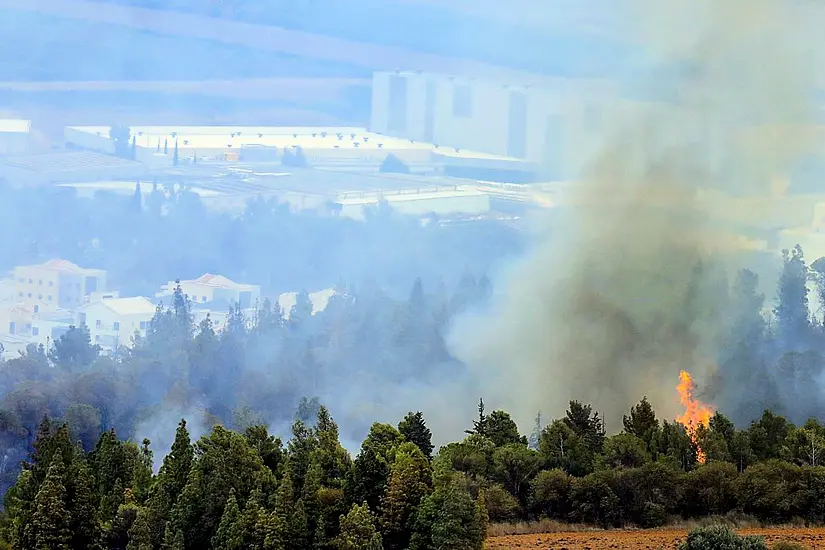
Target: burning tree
{"x": 696, "y": 413}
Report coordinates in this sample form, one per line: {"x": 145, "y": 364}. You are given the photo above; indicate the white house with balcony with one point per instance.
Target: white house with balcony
{"x": 113, "y": 322}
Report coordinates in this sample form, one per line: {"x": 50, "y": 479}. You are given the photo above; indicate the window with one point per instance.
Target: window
{"x": 49, "y": 297}
{"x": 28, "y": 327}
{"x": 116, "y": 326}
{"x": 51, "y": 283}
{"x": 462, "y": 100}
{"x": 30, "y": 281}
{"x": 97, "y": 338}
{"x": 29, "y": 294}
{"x": 40, "y": 282}
{"x": 97, "y": 323}
{"x": 35, "y": 331}
{"x": 20, "y": 294}
{"x": 203, "y": 298}
{"x": 143, "y": 325}
{"x": 37, "y": 309}
{"x": 39, "y": 296}
{"x": 81, "y": 318}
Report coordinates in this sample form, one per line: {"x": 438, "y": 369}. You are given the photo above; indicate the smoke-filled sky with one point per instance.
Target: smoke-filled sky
{"x": 614, "y": 307}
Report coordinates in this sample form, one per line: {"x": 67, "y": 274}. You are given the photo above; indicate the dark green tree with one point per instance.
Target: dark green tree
{"x": 371, "y": 468}
{"x": 642, "y": 423}
{"x": 480, "y": 425}
{"x": 502, "y": 430}
{"x": 792, "y": 313}
{"x": 74, "y": 349}
{"x": 358, "y": 530}
{"x": 410, "y": 481}
{"x": 415, "y": 430}
{"x": 586, "y": 424}
{"x": 449, "y": 518}
{"x": 51, "y": 522}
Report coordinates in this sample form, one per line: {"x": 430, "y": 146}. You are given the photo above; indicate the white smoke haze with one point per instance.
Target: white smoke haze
{"x": 612, "y": 306}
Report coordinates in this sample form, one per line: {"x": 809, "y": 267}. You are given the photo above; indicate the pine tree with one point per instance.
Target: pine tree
{"x": 229, "y": 535}
{"x": 358, "y": 530}
{"x": 165, "y": 146}
{"x": 175, "y": 154}
{"x": 134, "y": 148}
{"x": 792, "y": 314}
{"x": 52, "y": 520}
{"x": 84, "y": 524}
{"x": 140, "y": 535}
{"x": 415, "y": 430}
{"x": 479, "y": 426}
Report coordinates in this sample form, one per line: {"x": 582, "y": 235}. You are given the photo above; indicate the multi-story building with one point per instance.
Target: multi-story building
{"x": 113, "y": 322}
{"x": 215, "y": 288}
{"x": 14, "y": 136}
{"x": 550, "y": 121}
{"x": 57, "y": 282}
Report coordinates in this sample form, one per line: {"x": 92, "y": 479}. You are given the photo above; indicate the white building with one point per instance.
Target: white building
{"x": 550, "y": 121}
{"x": 14, "y": 136}
{"x": 113, "y": 322}
{"x": 215, "y": 288}
{"x": 319, "y": 300}
{"x": 50, "y": 326}
{"x": 57, "y": 282}
{"x": 65, "y": 167}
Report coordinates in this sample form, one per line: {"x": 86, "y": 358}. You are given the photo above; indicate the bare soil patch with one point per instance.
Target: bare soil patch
{"x": 643, "y": 539}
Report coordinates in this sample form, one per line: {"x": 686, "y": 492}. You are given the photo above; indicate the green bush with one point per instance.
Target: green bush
{"x": 653, "y": 515}
{"x": 787, "y": 545}
{"x": 720, "y": 537}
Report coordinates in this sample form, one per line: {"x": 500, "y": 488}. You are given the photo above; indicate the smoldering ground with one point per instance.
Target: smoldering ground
{"x": 629, "y": 292}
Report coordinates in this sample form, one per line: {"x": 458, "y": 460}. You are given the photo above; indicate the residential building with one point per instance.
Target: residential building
{"x": 319, "y": 300}
{"x": 14, "y": 136}
{"x": 57, "y": 282}
{"x": 8, "y": 291}
{"x": 113, "y": 322}
{"x": 215, "y": 288}
{"x": 50, "y": 326}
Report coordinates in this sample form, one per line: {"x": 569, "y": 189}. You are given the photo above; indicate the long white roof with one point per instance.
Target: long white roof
{"x": 14, "y": 126}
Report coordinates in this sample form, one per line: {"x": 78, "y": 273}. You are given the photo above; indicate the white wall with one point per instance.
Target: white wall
{"x": 14, "y": 143}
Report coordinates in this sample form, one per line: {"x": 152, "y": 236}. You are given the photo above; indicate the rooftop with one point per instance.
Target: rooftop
{"x": 232, "y": 138}
{"x": 219, "y": 281}
{"x": 127, "y": 306}
{"x": 65, "y": 161}
{"x": 64, "y": 266}
{"x": 14, "y": 126}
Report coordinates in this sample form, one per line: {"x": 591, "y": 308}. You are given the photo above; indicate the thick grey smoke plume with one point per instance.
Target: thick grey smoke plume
{"x": 613, "y": 305}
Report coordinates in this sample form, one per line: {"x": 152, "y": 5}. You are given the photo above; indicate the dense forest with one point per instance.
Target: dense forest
{"x": 234, "y": 490}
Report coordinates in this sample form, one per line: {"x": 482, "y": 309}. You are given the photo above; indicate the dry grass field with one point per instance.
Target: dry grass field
{"x": 655, "y": 539}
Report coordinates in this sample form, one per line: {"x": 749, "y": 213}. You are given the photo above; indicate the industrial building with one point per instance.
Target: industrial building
{"x": 65, "y": 167}
{"x": 555, "y": 122}
{"x": 340, "y": 148}
{"x": 14, "y": 136}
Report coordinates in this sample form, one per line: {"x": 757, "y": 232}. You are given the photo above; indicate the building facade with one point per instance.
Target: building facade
{"x": 550, "y": 123}
{"x": 57, "y": 282}
{"x": 113, "y": 322}
{"x": 14, "y": 136}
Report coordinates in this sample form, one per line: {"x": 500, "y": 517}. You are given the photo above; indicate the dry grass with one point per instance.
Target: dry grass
{"x": 735, "y": 521}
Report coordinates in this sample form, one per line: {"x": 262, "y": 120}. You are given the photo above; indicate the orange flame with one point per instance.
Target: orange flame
{"x": 696, "y": 412}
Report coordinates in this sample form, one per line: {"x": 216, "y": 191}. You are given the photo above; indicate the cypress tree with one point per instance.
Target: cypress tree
{"x": 52, "y": 520}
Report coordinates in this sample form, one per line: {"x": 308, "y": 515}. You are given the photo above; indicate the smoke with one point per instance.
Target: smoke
{"x": 629, "y": 294}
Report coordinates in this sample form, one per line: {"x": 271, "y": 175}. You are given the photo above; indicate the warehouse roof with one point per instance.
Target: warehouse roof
{"x": 14, "y": 126}
{"x": 66, "y": 161}
{"x": 306, "y": 137}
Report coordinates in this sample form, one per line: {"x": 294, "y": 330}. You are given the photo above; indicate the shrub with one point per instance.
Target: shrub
{"x": 720, "y": 537}
{"x": 550, "y": 494}
{"x": 501, "y": 506}
{"x": 709, "y": 489}
{"x": 788, "y": 545}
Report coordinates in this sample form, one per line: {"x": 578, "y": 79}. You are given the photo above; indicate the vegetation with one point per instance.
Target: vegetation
{"x": 718, "y": 537}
